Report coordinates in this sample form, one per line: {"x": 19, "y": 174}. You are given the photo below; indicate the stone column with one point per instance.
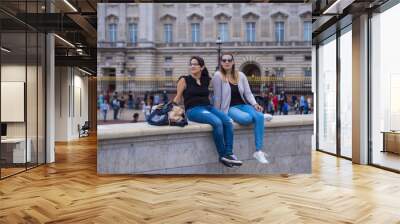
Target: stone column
{"x": 101, "y": 26}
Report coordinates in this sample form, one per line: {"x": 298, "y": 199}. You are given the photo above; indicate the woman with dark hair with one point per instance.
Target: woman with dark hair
{"x": 233, "y": 96}
{"x": 194, "y": 90}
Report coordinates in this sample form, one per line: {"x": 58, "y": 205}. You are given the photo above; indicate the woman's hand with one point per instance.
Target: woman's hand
{"x": 258, "y": 107}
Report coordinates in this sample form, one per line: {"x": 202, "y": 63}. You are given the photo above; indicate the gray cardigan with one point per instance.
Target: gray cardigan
{"x": 222, "y": 91}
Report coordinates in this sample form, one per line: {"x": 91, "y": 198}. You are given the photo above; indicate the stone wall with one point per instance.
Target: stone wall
{"x": 141, "y": 148}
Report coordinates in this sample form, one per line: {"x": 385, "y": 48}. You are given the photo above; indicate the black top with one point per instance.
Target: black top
{"x": 195, "y": 94}
{"x": 236, "y": 99}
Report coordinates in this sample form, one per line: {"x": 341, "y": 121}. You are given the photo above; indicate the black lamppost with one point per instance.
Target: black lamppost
{"x": 219, "y": 42}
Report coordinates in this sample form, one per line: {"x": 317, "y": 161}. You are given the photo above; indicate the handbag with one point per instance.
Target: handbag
{"x": 159, "y": 116}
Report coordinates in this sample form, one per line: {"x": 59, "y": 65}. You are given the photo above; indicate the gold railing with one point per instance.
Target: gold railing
{"x": 141, "y": 84}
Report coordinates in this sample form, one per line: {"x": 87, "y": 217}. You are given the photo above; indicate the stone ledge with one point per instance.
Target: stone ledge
{"x": 119, "y": 131}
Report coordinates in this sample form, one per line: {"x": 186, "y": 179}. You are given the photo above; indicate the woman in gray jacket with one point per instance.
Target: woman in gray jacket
{"x": 233, "y": 96}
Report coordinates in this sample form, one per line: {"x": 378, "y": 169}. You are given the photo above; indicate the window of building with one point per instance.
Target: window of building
{"x": 251, "y": 31}
{"x": 168, "y": 59}
{"x": 307, "y": 72}
{"x": 109, "y": 58}
{"x": 168, "y": 33}
{"x": 131, "y": 58}
{"x": 195, "y": 32}
{"x": 112, "y": 29}
{"x": 133, "y": 31}
{"x": 307, "y": 58}
{"x": 168, "y": 72}
{"x": 279, "y": 31}
{"x": 307, "y": 29}
{"x": 279, "y": 58}
{"x": 279, "y": 72}
{"x": 223, "y": 31}
{"x": 132, "y": 72}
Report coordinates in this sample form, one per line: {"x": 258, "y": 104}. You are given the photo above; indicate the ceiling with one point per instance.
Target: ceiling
{"x": 73, "y": 20}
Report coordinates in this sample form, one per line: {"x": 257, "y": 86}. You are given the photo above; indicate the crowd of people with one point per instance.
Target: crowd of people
{"x": 119, "y": 102}
{"x": 280, "y": 104}
{"x": 116, "y": 103}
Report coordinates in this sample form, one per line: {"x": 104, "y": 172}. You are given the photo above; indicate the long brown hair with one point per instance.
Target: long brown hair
{"x": 234, "y": 73}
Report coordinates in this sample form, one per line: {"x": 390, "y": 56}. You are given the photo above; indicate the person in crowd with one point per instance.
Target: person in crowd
{"x": 165, "y": 97}
{"x": 100, "y": 100}
{"x": 146, "y": 95}
{"x": 115, "y": 106}
{"x": 271, "y": 108}
{"x": 294, "y": 99}
{"x": 306, "y": 107}
{"x": 121, "y": 106}
{"x": 233, "y": 96}
{"x": 131, "y": 100}
{"x": 156, "y": 99}
{"x": 285, "y": 108}
{"x": 281, "y": 100}
{"x": 309, "y": 103}
{"x": 137, "y": 103}
{"x": 193, "y": 88}
{"x": 135, "y": 118}
{"x": 147, "y": 107}
{"x": 104, "y": 107}
{"x": 275, "y": 101}
{"x": 302, "y": 104}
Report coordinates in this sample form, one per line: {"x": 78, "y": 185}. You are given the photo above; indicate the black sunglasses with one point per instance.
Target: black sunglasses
{"x": 227, "y": 60}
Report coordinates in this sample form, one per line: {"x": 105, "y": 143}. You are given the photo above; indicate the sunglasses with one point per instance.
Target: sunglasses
{"x": 227, "y": 60}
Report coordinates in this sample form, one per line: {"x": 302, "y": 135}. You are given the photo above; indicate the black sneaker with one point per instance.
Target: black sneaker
{"x": 232, "y": 160}
{"x": 230, "y": 165}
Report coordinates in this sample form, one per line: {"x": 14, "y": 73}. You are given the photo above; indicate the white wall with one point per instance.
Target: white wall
{"x": 71, "y": 94}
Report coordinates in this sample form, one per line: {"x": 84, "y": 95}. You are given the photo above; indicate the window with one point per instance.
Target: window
{"x": 168, "y": 72}
{"x": 307, "y": 31}
{"x": 132, "y": 72}
{"x": 251, "y": 31}
{"x": 112, "y": 29}
{"x": 307, "y": 72}
{"x": 133, "y": 30}
{"x": 307, "y": 58}
{"x": 279, "y": 31}
{"x": 345, "y": 83}
{"x": 108, "y": 58}
{"x": 195, "y": 32}
{"x": 223, "y": 31}
{"x": 131, "y": 58}
{"x": 168, "y": 33}
{"x": 168, "y": 59}
{"x": 327, "y": 95}
{"x": 279, "y": 72}
{"x": 278, "y": 58}
{"x": 385, "y": 87}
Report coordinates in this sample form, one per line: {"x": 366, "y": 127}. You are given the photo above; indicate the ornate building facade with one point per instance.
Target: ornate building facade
{"x": 157, "y": 39}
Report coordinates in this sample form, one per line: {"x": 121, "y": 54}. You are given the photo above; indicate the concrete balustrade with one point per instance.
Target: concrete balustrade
{"x": 139, "y": 148}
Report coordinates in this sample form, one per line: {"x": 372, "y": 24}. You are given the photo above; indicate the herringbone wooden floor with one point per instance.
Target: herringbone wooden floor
{"x": 70, "y": 191}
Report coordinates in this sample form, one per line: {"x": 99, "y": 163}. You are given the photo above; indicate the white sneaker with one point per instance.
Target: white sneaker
{"x": 260, "y": 157}
{"x": 268, "y": 117}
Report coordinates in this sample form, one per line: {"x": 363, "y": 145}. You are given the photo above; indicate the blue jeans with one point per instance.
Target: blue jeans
{"x": 244, "y": 115}
{"x": 222, "y": 126}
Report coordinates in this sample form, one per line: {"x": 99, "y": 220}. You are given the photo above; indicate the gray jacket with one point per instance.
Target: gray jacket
{"x": 222, "y": 91}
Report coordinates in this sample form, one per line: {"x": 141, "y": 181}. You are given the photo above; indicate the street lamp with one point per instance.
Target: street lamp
{"x": 219, "y": 42}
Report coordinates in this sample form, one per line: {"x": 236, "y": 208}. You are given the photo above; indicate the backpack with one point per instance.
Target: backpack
{"x": 115, "y": 104}
{"x": 159, "y": 116}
